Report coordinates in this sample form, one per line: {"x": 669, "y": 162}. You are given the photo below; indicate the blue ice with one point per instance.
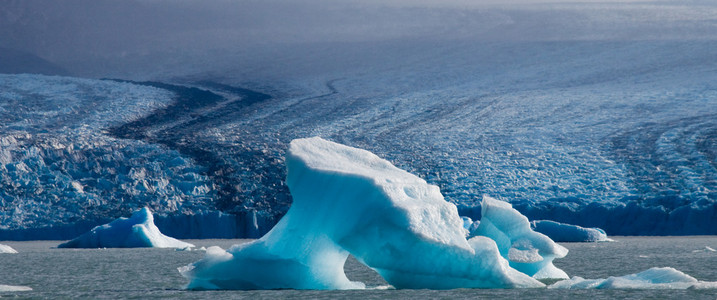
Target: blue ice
{"x": 133, "y": 232}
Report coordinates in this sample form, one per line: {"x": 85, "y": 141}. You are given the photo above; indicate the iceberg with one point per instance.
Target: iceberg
{"x": 133, "y": 232}
{"x": 350, "y": 201}
{"x": 527, "y": 251}
{"x": 7, "y": 249}
{"x": 561, "y": 232}
{"x": 654, "y": 278}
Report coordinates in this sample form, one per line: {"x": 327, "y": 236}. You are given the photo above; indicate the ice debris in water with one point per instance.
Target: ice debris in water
{"x": 654, "y": 278}
{"x": 561, "y": 232}
{"x": 350, "y": 201}
{"x": 137, "y": 231}
{"x": 7, "y": 249}
{"x": 14, "y": 288}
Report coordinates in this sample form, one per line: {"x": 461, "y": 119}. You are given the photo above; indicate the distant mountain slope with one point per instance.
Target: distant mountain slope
{"x": 18, "y": 62}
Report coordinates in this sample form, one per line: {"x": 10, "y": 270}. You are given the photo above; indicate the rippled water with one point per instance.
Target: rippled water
{"x": 140, "y": 273}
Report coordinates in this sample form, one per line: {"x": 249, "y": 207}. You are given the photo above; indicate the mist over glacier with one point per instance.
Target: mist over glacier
{"x": 600, "y": 114}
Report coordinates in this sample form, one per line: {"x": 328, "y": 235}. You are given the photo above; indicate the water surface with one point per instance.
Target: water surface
{"x": 142, "y": 273}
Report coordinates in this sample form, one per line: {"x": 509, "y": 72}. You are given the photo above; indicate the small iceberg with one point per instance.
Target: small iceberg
{"x": 14, "y": 288}
{"x": 529, "y": 252}
{"x": 134, "y": 232}
{"x": 350, "y": 201}
{"x": 561, "y": 232}
{"x": 654, "y": 278}
{"x": 7, "y": 249}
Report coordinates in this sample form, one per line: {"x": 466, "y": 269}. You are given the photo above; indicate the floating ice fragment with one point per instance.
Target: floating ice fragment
{"x": 7, "y": 249}
{"x": 348, "y": 200}
{"x": 137, "y": 231}
{"x": 14, "y": 288}
{"x": 654, "y": 278}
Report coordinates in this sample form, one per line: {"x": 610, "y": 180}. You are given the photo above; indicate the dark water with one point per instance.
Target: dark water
{"x": 152, "y": 273}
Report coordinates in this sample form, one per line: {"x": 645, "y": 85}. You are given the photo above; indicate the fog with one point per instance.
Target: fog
{"x": 279, "y": 41}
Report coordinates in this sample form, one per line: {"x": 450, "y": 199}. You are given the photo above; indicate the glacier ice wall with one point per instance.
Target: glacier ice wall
{"x": 61, "y": 173}
{"x": 133, "y": 232}
{"x": 348, "y": 200}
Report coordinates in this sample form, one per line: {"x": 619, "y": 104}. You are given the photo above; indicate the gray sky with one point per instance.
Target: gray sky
{"x": 154, "y": 38}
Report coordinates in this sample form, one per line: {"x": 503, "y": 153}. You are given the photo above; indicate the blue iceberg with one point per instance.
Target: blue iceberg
{"x": 527, "y": 251}
{"x": 134, "y": 232}
{"x": 561, "y": 232}
{"x": 350, "y": 201}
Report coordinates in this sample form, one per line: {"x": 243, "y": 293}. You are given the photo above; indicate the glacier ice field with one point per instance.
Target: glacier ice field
{"x": 598, "y": 114}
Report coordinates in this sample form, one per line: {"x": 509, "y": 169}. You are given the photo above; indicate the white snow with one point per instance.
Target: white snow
{"x": 561, "y": 232}
{"x": 7, "y": 249}
{"x": 348, "y": 200}
{"x": 137, "y": 231}
{"x": 527, "y": 251}
{"x": 654, "y": 278}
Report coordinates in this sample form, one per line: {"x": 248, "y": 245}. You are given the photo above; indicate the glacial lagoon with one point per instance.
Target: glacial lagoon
{"x": 150, "y": 272}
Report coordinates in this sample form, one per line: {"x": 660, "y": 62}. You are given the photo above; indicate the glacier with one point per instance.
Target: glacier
{"x": 598, "y": 114}
{"x": 561, "y": 232}
{"x": 350, "y": 201}
{"x": 654, "y": 278}
{"x": 133, "y": 232}
{"x": 6, "y": 249}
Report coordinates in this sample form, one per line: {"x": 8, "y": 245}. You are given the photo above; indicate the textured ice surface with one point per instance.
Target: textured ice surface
{"x": 527, "y": 251}
{"x": 561, "y": 232}
{"x": 59, "y": 168}
{"x": 348, "y": 200}
{"x": 654, "y": 278}
{"x": 133, "y": 232}
{"x": 7, "y": 249}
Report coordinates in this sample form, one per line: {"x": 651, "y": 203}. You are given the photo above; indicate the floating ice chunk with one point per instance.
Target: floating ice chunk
{"x": 527, "y": 251}
{"x": 654, "y": 278}
{"x": 14, "y": 288}
{"x": 7, "y": 249}
{"x": 561, "y": 232}
{"x": 348, "y": 200}
{"x": 137, "y": 231}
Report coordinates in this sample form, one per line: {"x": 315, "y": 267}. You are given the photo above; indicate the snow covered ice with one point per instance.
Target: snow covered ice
{"x": 7, "y": 249}
{"x": 348, "y": 200}
{"x": 561, "y": 232}
{"x": 136, "y": 231}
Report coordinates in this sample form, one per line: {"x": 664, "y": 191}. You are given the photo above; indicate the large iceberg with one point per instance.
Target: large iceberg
{"x": 348, "y": 200}
{"x": 654, "y": 278}
{"x": 133, "y": 232}
{"x": 561, "y": 232}
{"x": 7, "y": 249}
